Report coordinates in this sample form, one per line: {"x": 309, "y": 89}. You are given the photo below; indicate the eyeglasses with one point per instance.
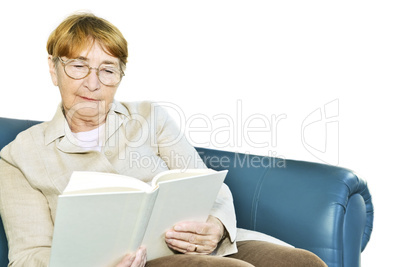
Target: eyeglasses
{"x": 78, "y": 69}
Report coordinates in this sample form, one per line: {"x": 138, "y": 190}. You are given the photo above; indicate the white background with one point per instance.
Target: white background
{"x": 249, "y": 61}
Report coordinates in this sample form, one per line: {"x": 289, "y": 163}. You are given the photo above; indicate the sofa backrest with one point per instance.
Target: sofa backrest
{"x": 9, "y": 128}
{"x": 279, "y": 197}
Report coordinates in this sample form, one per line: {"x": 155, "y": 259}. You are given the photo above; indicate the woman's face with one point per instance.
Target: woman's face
{"x": 87, "y": 98}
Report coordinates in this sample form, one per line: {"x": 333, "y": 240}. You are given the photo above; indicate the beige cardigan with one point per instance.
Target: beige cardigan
{"x": 141, "y": 140}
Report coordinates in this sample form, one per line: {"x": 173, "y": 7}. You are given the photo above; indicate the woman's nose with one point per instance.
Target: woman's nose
{"x": 92, "y": 80}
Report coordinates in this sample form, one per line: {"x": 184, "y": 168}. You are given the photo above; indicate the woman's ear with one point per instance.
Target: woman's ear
{"x": 52, "y": 70}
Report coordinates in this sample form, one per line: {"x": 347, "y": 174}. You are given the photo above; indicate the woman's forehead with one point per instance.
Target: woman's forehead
{"x": 95, "y": 52}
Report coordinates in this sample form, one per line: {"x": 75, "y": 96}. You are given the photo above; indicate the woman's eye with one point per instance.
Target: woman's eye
{"x": 78, "y": 66}
{"x": 109, "y": 70}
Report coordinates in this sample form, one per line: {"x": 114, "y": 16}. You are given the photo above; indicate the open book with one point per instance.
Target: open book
{"x": 101, "y": 216}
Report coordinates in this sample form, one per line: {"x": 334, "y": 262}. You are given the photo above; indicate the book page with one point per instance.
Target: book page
{"x": 85, "y": 182}
{"x": 98, "y": 230}
{"x": 187, "y": 199}
{"x": 105, "y": 190}
{"x": 143, "y": 220}
{"x": 178, "y": 174}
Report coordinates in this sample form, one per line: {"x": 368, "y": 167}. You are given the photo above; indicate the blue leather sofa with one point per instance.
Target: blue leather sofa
{"x": 321, "y": 208}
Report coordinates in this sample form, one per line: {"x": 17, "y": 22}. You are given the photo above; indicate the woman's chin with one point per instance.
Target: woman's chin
{"x": 89, "y": 112}
{"x": 86, "y": 109}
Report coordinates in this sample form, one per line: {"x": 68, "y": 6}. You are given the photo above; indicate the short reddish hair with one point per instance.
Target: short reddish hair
{"x": 81, "y": 30}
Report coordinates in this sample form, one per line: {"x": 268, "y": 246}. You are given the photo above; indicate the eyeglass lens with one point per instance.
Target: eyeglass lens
{"x": 107, "y": 74}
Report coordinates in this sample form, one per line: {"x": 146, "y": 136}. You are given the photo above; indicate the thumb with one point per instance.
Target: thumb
{"x": 127, "y": 260}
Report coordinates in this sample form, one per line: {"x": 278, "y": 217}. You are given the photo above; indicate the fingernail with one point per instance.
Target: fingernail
{"x": 169, "y": 234}
{"x": 177, "y": 227}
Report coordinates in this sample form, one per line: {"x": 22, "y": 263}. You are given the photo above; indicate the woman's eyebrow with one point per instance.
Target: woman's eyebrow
{"x": 107, "y": 62}
{"x": 82, "y": 58}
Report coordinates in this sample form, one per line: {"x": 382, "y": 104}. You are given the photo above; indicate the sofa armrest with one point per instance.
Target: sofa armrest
{"x": 324, "y": 209}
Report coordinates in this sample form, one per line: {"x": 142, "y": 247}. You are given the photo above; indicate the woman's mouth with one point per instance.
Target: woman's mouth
{"x": 88, "y": 99}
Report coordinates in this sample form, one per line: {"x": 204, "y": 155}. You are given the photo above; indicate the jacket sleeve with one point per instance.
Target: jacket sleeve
{"x": 26, "y": 218}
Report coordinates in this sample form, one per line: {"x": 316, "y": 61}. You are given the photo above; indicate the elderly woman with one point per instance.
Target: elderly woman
{"x": 92, "y": 131}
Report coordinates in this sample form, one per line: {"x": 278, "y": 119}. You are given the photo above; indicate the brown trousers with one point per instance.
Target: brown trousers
{"x": 250, "y": 253}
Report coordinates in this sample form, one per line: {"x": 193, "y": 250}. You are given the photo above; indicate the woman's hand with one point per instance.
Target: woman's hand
{"x": 135, "y": 259}
{"x": 195, "y": 237}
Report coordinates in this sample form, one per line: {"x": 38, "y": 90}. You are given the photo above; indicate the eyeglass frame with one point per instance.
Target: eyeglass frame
{"x": 89, "y": 70}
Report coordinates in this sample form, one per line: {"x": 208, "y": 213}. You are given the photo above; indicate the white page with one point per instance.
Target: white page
{"x": 178, "y": 174}
{"x": 96, "y": 230}
{"x": 87, "y": 182}
{"x": 181, "y": 200}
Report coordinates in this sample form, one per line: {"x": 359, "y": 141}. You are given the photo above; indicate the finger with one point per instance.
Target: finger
{"x": 140, "y": 257}
{"x": 190, "y": 238}
{"x": 194, "y": 227}
{"x": 200, "y": 228}
{"x": 206, "y": 247}
{"x": 185, "y": 247}
{"x": 144, "y": 260}
{"x": 185, "y": 236}
{"x": 179, "y": 245}
{"x": 209, "y": 242}
{"x": 127, "y": 260}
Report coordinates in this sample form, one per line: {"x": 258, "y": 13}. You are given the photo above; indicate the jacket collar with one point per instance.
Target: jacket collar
{"x": 58, "y": 128}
